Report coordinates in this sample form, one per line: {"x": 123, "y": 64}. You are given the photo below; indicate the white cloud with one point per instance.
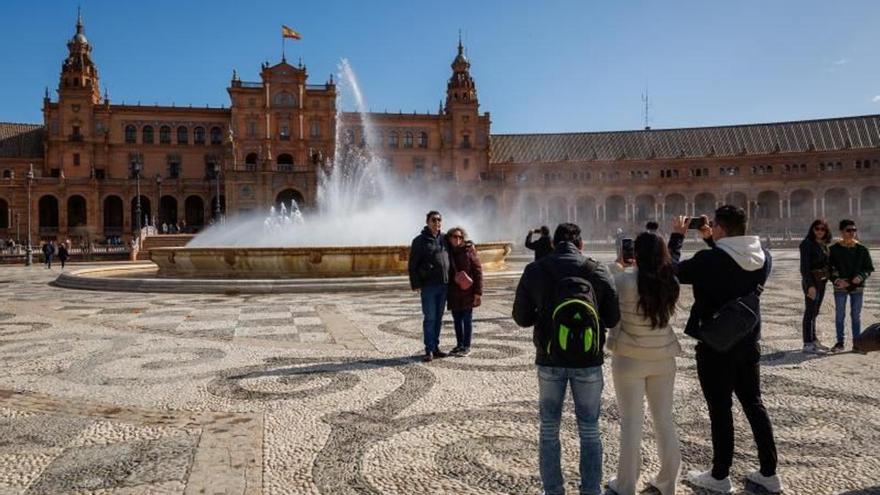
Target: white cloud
{"x": 876, "y": 99}
{"x": 841, "y": 61}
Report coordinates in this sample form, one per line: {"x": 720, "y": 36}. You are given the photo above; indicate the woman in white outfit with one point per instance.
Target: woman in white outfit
{"x": 644, "y": 347}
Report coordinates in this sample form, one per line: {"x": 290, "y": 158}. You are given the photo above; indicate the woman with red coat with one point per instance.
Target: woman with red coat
{"x": 465, "y": 287}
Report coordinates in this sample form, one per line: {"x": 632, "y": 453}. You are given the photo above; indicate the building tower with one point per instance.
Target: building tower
{"x": 467, "y": 134}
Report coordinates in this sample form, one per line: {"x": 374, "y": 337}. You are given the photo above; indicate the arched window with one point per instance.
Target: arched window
{"x": 250, "y": 162}
{"x": 182, "y": 135}
{"x": 147, "y": 134}
{"x": 393, "y": 140}
{"x": 315, "y": 128}
{"x": 423, "y": 140}
{"x": 165, "y": 135}
{"x": 215, "y": 135}
{"x": 285, "y": 162}
{"x": 408, "y": 140}
{"x": 7, "y": 174}
{"x": 130, "y": 134}
{"x": 199, "y": 135}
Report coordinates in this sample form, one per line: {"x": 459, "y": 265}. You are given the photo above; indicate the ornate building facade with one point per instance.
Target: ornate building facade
{"x": 92, "y": 160}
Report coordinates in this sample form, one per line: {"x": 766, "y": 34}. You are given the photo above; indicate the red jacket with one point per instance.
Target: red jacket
{"x": 464, "y": 258}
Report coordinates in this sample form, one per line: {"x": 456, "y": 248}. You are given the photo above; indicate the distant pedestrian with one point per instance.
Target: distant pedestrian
{"x": 48, "y": 253}
{"x": 63, "y": 254}
{"x": 465, "y": 287}
{"x": 652, "y": 227}
{"x": 850, "y": 266}
{"x": 429, "y": 274}
{"x": 543, "y": 246}
{"x": 815, "y": 272}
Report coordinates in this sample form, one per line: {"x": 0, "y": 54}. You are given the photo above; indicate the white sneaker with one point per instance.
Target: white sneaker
{"x": 818, "y": 345}
{"x": 770, "y": 483}
{"x": 705, "y": 480}
{"x": 813, "y": 349}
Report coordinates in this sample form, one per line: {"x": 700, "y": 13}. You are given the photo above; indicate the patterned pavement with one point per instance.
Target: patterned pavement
{"x": 121, "y": 393}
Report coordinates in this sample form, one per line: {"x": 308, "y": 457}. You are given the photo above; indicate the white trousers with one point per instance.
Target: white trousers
{"x": 634, "y": 379}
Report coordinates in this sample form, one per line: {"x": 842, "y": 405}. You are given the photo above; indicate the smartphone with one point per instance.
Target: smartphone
{"x": 627, "y": 249}
{"x": 696, "y": 223}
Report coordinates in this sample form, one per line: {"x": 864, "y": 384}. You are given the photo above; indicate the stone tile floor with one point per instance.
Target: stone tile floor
{"x": 127, "y": 393}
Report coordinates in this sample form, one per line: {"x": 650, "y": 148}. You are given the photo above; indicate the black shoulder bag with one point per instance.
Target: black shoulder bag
{"x": 733, "y": 321}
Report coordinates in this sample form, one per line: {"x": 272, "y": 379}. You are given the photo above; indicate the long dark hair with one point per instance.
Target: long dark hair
{"x": 658, "y": 287}
{"x": 811, "y": 235}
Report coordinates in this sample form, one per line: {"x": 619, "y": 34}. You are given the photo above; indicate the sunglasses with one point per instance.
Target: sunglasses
{"x": 851, "y": 229}
{"x": 436, "y": 219}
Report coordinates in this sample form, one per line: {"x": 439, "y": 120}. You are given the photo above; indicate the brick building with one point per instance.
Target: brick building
{"x": 90, "y": 158}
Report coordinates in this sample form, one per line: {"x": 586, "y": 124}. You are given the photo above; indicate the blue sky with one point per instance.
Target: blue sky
{"x": 540, "y": 66}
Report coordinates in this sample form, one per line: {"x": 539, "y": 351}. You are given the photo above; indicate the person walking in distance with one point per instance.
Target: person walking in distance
{"x": 429, "y": 274}
{"x": 644, "y": 348}
{"x": 542, "y": 247}
{"x": 570, "y": 300}
{"x": 850, "y": 266}
{"x": 63, "y": 254}
{"x": 815, "y": 272}
{"x": 735, "y": 267}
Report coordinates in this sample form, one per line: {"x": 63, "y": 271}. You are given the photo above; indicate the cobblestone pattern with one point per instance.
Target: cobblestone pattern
{"x": 139, "y": 393}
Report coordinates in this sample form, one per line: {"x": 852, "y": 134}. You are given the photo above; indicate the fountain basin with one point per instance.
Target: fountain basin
{"x": 299, "y": 262}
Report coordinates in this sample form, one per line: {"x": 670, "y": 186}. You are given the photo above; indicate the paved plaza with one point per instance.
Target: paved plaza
{"x": 129, "y": 393}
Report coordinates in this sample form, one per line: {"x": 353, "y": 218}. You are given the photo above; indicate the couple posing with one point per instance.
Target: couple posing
{"x": 446, "y": 271}
{"x": 637, "y": 306}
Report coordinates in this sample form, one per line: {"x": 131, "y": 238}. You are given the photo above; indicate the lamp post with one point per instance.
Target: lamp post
{"x": 28, "y": 251}
{"x": 159, "y": 201}
{"x": 217, "y": 204}
{"x": 136, "y": 169}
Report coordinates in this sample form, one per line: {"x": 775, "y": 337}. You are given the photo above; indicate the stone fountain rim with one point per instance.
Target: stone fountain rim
{"x": 324, "y": 249}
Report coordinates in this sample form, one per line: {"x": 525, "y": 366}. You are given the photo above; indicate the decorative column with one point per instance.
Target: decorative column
{"x": 815, "y": 212}
{"x": 823, "y": 206}
{"x": 850, "y": 206}
{"x": 781, "y": 209}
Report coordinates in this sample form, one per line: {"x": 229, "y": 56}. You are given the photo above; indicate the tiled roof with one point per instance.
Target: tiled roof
{"x": 736, "y": 140}
{"x": 21, "y": 140}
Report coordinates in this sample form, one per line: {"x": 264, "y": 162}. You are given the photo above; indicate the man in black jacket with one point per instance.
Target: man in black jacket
{"x": 429, "y": 274}
{"x": 532, "y": 307}
{"x": 734, "y": 266}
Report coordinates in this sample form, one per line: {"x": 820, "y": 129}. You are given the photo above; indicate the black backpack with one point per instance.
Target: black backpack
{"x": 573, "y": 312}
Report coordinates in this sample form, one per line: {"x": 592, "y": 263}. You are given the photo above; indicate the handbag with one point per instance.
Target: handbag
{"x": 462, "y": 279}
{"x": 821, "y": 274}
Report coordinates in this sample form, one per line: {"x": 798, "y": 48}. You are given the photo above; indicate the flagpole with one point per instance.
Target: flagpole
{"x": 282, "y": 47}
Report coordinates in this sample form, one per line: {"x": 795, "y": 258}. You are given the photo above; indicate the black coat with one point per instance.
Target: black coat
{"x": 542, "y": 247}
{"x": 716, "y": 279}
{"x": 63, "y": 254}
{"x": 814, "y": 256}
{"x": 531, "y": 305}
{"x": 428, "y": 260}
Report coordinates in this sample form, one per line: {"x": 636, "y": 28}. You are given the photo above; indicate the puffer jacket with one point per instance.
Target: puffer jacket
{"x": 428, "y": 260}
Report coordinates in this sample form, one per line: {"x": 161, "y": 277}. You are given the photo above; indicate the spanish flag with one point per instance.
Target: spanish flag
{"x": 286, "y": 32}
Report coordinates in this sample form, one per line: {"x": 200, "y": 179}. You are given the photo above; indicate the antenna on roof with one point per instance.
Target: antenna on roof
{"x": 646, "y": 110}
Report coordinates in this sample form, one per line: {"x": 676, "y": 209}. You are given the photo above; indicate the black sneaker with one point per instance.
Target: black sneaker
{"x": 456, "y": 349}
{"x": 439, "y": 354}
{"x": 838, "y": 347}
{"x": 464, "y": 352}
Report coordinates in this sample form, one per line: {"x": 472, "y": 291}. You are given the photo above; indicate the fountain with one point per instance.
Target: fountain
{"x": 361, "y": 227}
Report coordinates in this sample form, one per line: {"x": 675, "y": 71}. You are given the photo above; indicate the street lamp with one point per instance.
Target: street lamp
{"x": 136, "y": 169}
{"x": 28, "y": 252}
{"x": 158, "y": 222}
{"x": 217, "y": 204}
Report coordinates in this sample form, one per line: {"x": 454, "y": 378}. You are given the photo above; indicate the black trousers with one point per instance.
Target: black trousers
{"x": 811, "y": 311}
{"x": 721, "y": 376}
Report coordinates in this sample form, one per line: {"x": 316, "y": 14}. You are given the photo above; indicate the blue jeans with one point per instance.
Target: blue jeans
{"x": 855, "y": 312}
{"x": 433, "y": 305}
{"x": 586, "y": 390}
{"x": 464, "y": 326}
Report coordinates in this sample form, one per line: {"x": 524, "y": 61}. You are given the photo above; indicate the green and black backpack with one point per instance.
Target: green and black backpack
{"x": 575, "y": 334}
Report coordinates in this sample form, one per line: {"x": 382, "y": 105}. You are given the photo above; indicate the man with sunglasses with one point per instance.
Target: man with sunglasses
{"x": 850, "y": 266}
{"x": 429, "y": 274}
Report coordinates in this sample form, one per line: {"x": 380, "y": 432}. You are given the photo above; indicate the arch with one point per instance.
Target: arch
{"x": 194, "y": 212}
{"x": 615, "y": 208}
{"x": 285, "y": 159}
{"x": 214, "y": 206}
{"x": 393, "y": 140}
{"x": 182, "y": 135}
{"x": 4, "y": 214}
{"x": 130, "y": 134}
{"x": 147, "y": 134}
{"x": 736, "y": 198}
{"x": 48, "y": 212}
{"x": 704, "y": 204}
{"x": 530, "y": 212}
{"x": 644, "y": 207}
{"x": 767, "y": 205}
{"x": 490, "y": 206}
{"x": 113, "y": 215}
{"x": 251, "y": 159}
{"x": 288, "y": 195}
{"x": 423, "y": 140}
{"x": 165, "y": 135}
{"x": 836, "y": 204}
{"x": 146, "y": 212}
{"x": 7, "y": 174}
{"x": 216, "y": 135}
{"x": 77, "y": 213}
{"x": 199, "y": 135}
{"x": 167, "y": 210}
{"x": 408, "y": 140}
{"x": 557, "y": 211}
{"x": 675, "y": 205}
{"x": 871, "y": 201}
{"x": 585, "y": 211}
{"x": 801, "y": 201}
{"x": 468, "y": 203}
